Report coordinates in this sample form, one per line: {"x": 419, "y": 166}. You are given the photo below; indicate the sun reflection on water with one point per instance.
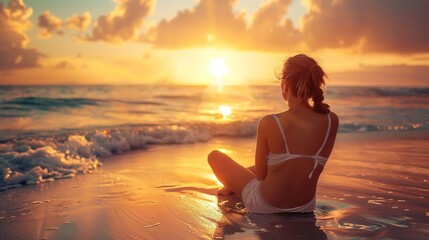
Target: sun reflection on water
{"x": 225, "y": 111}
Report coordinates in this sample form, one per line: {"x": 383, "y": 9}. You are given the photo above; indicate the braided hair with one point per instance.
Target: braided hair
{"x": 306, "y": 80}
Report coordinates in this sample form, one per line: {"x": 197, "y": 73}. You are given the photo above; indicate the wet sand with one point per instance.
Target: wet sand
{"x": 374, "y": 186}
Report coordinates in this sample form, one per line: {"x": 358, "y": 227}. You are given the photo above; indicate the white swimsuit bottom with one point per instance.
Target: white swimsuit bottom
{"x": 254, "y": 203}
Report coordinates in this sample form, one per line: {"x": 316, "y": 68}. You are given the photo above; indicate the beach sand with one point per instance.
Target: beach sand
{"x": 374, "y": 186}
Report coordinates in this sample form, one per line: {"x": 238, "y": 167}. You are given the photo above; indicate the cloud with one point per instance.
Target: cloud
{"x": 270, "y": 30}
{"x": 14, "y": 23}
{"x": 209, "y": 22}
{"x": 49, "y": 24}
{"x": 386, "y": 26}
{"x": 64, "y": 65}
{"x": 397, "y": 26}
{"x": 123, "y": 22}
{"x": 399, "y": 75}
{"x": 79, "y": 22}
{"x": 215, "y": 23}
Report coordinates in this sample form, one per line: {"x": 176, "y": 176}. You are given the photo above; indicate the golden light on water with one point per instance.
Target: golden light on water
{"x": 225, "y": 111}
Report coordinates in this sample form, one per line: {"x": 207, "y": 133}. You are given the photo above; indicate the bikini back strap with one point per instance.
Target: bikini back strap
{"x": 326, "y": 136}
{"x": 281, "y": 131}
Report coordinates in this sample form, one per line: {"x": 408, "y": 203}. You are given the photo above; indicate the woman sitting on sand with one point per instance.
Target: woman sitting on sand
{"x": 292, "y": 147}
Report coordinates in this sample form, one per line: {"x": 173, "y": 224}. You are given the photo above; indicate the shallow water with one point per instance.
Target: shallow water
{"x": 32, "y": 110}
{"x": 54, "y": 132}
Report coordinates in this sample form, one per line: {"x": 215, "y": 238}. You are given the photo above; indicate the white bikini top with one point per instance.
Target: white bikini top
{"x": 274, "y": 158}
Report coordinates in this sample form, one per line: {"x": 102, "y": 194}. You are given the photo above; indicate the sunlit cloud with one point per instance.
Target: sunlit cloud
{"x": 395, "y": 26}
{"x": 214, "y": 23}
{"x": 79, "y": 22}
{"x": 364, "y": 26}
{"x": 14, "y": 23}
{"x": 209, "y": 23}
{"x": 123, "y": 23}
{"x": 270, "y": 30}
{"x": 49, "y": 24}
{"x": 64, "y": 65}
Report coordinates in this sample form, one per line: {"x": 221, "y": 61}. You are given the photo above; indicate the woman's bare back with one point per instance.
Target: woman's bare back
{"x": 287, "y": 184}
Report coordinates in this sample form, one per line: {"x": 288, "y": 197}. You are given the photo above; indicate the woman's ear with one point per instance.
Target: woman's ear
{"x": 285, "y": 87}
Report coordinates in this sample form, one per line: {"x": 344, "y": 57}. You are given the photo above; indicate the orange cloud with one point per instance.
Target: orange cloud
{"x": 269, "y": 30}
{"x": 64, "y": 65}
{"x": 79, "y": 22}
{"x": 123, "y": 22}
{"x": 214, "y": 23}
{"x": 49, "y": 24}
{"x": 388, "y": 26}
{"x": 209, "y": 22}
{"x": 397, "y": 26}
{"x": 14, "y": 23}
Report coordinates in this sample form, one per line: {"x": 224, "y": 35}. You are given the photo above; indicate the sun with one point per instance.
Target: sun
{"x": 217, "y": 67}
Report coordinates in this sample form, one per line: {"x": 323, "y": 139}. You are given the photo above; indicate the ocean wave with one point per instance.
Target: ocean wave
{"x": 18, "y": 107}
{"x": 135, "y": 102}
{"x": 41, "y": 103}
{"x": 363, "y": 128}
{"x": 180, "y": 97}
{"x": 36, "y": 158}
{"x": 346, "y": 92}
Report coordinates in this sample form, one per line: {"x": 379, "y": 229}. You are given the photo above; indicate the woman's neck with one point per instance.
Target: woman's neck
{"x": 295, "y": 104}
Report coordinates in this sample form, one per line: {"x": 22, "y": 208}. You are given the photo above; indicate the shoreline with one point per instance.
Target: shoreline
{"x": 373, "y": 186}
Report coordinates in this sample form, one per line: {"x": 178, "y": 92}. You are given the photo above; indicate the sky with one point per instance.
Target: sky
{"x": 364, "y": 43}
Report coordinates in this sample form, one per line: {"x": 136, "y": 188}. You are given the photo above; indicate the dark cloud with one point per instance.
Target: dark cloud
{"x": 14, "y": 23}
{"x": 49, "y": 24}
{"x": 398, "y": 26}
{"x": 123, "y": 22}
{"x": 79, "y": 22}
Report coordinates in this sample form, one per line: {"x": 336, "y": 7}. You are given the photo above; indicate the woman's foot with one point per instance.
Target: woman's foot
{"x": 224, "y": 191}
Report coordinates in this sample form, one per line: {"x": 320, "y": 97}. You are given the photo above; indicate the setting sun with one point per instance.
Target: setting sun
{"x": 217, "y": 67}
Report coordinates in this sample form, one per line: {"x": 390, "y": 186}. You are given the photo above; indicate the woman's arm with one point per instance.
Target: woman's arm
{"x": 262, "y": 150}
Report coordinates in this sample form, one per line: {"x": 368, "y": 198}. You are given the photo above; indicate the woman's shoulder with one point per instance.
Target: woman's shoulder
{"x": 334, "y": 117}
{"x": 266, "y": 120}
{"x": 335, "y": 120}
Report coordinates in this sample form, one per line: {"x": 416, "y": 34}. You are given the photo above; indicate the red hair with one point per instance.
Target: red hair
{"x": 306, "y": 79}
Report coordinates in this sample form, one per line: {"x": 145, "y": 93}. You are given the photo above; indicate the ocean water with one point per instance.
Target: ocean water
{"x": 53, "y": 132}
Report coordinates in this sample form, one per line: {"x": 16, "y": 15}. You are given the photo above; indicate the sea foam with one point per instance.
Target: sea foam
{"x": 36, "y": 159}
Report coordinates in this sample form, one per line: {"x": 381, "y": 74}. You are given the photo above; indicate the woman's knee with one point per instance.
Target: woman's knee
{"x": 213, "y": 155}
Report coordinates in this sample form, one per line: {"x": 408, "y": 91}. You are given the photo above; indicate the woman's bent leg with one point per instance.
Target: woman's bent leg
{"x": 231, "y": 174}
